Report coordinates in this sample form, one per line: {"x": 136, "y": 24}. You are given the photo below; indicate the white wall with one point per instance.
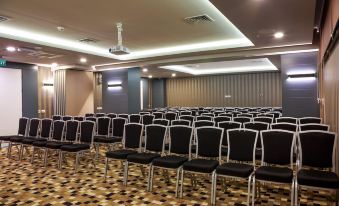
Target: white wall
{"x": 10, "y": 100}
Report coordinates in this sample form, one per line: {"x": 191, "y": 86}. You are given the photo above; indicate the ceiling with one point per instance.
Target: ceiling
{"x": 154, "y": 31}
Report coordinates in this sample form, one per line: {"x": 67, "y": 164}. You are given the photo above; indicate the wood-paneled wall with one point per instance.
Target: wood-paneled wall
{"x": 45, "y": 94}
{"x": 257, "y": 89}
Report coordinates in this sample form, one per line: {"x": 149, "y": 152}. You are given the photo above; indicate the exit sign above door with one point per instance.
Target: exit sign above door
{"x": 2, "y": 62}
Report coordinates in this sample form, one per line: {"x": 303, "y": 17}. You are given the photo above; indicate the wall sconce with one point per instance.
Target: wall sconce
{"x": 114, "y": 85}
{"x": 48, "y": 84}
{"x": 312, "y": 75}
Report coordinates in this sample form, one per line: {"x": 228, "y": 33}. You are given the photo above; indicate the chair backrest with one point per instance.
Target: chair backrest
{"x": 163, "y": 122}
{"x": 144, "y": 113}
{"x": 34, "y": 125}
{"x": 89, "y": 115}
{"x": 46, "y": 128}
{"x": 72, "y": 129}
{"x": 58, "y": 130}
{"x": 123, "y": 116}
{"x": 202, "y": 118}
{"x": 291, "y": 120}
{"x": 227, "y": 125}
{"x": 285, "y": 126}
{"x": 208, "y": 114}
{"x": 171, "y": 116}
{"x": 181, "y": 122}
{"x": 242, "y": 144}
{"x": 180, "y": 137}
{"x": 312, "y": 126}
{"x": 103, "y": 126}
{"x": 308, "y": 120}
{"x": 235, "y": 114}
{"x": 132, "y": 135}
{"x": 87, "y": 129}
{"x": 118, "y": 125}
{"x": 155, "y": 138}
{"x": 275, "y": 114}
{"x": 56, "y": 117}
{"x": 188, "y": 117}
{"x": 147, "y": 119}
{"x": 185, "y": 113}
{"x": 254, "y": 114}
{"x": 266, "y": 115}
{"x": 66, "y": 118}
{"x": 23, "y": 125}
{"x": 97, "y": 115}
{"x": 93, "y": 119}
{"x": 203, "y": 123}
{"x": 245, "y": 115}
{"x": 242, "y": 120}
{"x": 230, "y": 115}
{"x": 268, "y": 120}
{"x": 317, "y": 149}
{"x": 79, "y": 118}
{"x": 209, "y": 140}
{"x": 277, "y": 147}
{"x": 221, "y": 119}
{"x": 257, "y": 126}
{"x": 158, "y": 115}
{"x": 134, "y": 118}
{"x": 112, "y": 115}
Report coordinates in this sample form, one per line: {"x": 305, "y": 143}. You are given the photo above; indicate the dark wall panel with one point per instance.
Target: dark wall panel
{"x": 158, "y": 93}
{"x": 145, "y": 91}
{"x": 133, "y": 90}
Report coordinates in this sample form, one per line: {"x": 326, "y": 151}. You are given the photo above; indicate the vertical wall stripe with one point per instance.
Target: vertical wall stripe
{"x": 59, "y": 92}
{"x": 259, "y": 89}
{"x": 45, "y": 94}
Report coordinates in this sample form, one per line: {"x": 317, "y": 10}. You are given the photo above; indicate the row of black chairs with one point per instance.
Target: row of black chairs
{"x": 277, "y": 161}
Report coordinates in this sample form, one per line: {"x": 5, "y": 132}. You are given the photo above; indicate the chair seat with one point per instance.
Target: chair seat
{"x": 17, "y": 138}
{"x": 235, "y": 170}
{"x": 7, "y": 138}
{"x": 274, "y": 174}
{"x": 171, "y": 161}
{"x": 317, "y": 178}
{"x": 31, "y": 140}
{"x": 107, "y": 140}
{"x": 74, "y": 147}
{"x": 120, "y": 154}
{"x": 201, "y": 165}
{"x": 54, "y": 144}
{"x": 142, "y": 158}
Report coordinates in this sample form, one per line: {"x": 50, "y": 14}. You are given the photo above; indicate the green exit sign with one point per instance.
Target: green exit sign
{"x": 2, "y": 62}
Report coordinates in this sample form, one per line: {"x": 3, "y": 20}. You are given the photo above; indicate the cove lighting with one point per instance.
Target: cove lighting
{"x": 301, "y": 75}
{"x": 114, "y": 85}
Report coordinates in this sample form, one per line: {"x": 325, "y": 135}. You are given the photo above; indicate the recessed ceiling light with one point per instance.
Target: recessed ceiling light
{"x": 60, "y": 28}
{"x": 150, "y": 76}
{"x": 278, "y": 35}
{"x": 11, "y": 49}
{"x": 83, "y": 60}
{"x": 145, "y": 70}
{"x": 174, "y": 74}
{"x": 54, "y": 64}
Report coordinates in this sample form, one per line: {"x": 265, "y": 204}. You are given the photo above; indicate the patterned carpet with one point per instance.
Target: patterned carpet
{"x": 22, "y": 183}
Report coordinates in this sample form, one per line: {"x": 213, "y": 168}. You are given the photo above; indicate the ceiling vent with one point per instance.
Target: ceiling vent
{"x": 88, "y": 40}
{"x": 204, "y": 18}
{"x": 3, "y": 18}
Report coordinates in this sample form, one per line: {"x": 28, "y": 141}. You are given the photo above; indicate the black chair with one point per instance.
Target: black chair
{"x": 291, "y": 120}
{"x": 254, "y": 114}
{"x": 312, "y": 126}
{"x": 235, "y": 113}
{"x": 285, "y": 126}
{"x": 147, "y": 119}
{"x": 102, "y": 134}
{"x": 309, "y": 120}
{"x": 93, "y": 119}
{"x": 170, "y": 116}
{"x": 97, "y": 115}
{"x": 89, "y": 115}
{"x": 208, "y": 153}
{"x": 242, "y": 120}
{"x": 266, "y": 115}
{"x": 203, "y": 123}
{"x": 131, "y": 144}
{"x": 179, "y": 143}
{"x": 112, "y": 115}
{"x": 278, "y": 147}
{"x": 188, "y": 117}
{"x": 158, "y": 115}
{"x": 182, "y": 113}
{"x": 265, "y": 119}
{"x": 227, "y": 126}
{"x": 66, "y": 118}
{"x": 317, "y": 169}
{"x": 56, "y": 117}
{"x": 154, "y": 147}
{"x": 245, "y": 115}
{"x": 163, "y": 122}
{"x": 221, "y": 119}
{"x": 241, "y": 151}
{"x": 208, "y": 115}
{"x": 78, "y": 118}
{"x": 118, "y": 125}
{"x": 204, "y": 118}
{"x": 22, "y": 129}
{"x": 82, "y": 145}
{"x": 181, "y": 122}
{"x": 33, "y": 132}
{"x": 144, "y": 113}
{"x": 275, "y": 114}
{"x": 123, "y": 116}
{"x": 257, "y": 126}
{"x": 134, "y": 118}
{"x": 230, "y": 115}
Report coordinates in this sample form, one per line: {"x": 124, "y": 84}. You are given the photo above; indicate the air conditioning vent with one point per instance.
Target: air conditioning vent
{"x": 3, "y": 18}
{"x": 88, "y": 40}
{"x": 204, "y": 18}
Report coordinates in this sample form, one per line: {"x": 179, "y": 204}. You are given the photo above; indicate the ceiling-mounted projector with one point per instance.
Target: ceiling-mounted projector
{"x": 119, "y": 49}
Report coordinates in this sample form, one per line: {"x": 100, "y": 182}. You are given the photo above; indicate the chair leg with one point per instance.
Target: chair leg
{"x": 336, "y": 197}
{"x": 125, "y": 173}
{"x": 213, "y": 188}
{"x": 296, "y": 193}
{"x": 60, "y": 159}
{"x": 150, "y": 168}
{"x": 76, "y": 162}
{"x": 32, "y": 157}
{"x": 21, "y": 152}
{"x": 182, "y": 182}
{"x": 253, "y": 191}
{"x": 249, "y": 189}
{"x": 106, "y": 168}
{"x": 177, "y": 182}
{"x": 9, "y": 150}
{"x": 45, "y": 157}
{"x": 292, "y": 193}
